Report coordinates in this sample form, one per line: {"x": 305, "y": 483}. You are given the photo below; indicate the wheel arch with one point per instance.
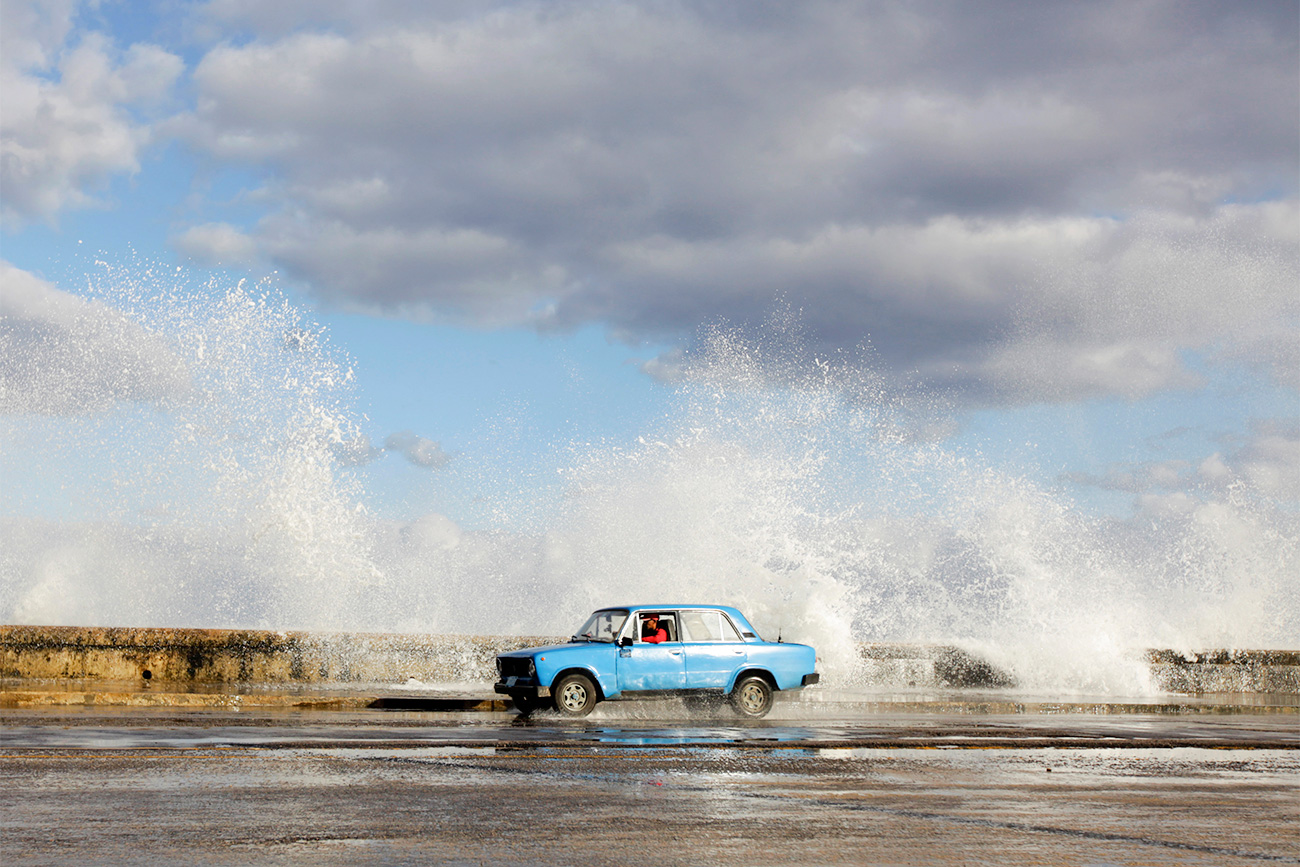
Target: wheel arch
{"x": 752, "y": 671}
{"x": 585, "y": 672}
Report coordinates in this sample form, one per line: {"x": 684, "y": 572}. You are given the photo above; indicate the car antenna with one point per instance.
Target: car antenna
{"x": 778, "y": 635}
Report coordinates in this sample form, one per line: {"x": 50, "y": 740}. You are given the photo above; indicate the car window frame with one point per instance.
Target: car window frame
{"x": 736, "y": 631}
{"x": 634, "y": 621}
{"x": 627, "y": 615}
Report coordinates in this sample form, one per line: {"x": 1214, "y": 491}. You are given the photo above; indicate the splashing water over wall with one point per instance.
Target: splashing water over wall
{"x": 222, "y": 501}
{"x": 802, "y": 490}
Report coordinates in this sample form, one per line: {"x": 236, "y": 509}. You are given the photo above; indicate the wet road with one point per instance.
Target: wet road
{"x": 225, "y": 788}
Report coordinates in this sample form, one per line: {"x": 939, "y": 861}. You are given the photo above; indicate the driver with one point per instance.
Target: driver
{"x": 651, "y": 631}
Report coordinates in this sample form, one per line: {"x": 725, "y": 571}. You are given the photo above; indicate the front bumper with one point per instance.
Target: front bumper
{"x": 525, "y": 686}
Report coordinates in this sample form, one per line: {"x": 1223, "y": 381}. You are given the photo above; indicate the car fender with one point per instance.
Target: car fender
{"x": 600, "y": 682}
{"x": 587, "y": 659}
{"x": 747, "y": 671}
{"x": 784, "y": 665}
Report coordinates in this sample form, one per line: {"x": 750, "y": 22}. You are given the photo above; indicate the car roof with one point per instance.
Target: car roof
{"x": 675, "y": 606}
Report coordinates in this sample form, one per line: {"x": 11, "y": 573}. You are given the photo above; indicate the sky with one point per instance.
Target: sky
{"x": 1068, "y": 231}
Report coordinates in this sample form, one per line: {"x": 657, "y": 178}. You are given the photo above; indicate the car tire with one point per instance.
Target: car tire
{"x": 574, "y": 695}
{"x": 525, "y": 704}
{"x": 752, "y": 697}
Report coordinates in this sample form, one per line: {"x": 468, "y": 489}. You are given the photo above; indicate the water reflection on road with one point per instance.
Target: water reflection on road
{"x": 109, "y": 729}
{"x": 222, "y": 787}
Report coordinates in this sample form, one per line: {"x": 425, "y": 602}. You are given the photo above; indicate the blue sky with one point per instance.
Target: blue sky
{"x": 1063, "y": 239}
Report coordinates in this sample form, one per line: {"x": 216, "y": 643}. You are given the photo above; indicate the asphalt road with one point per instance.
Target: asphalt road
{"x": 225, "y": 788}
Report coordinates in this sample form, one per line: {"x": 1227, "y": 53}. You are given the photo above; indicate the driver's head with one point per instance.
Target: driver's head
{"x": 652, "y": 618}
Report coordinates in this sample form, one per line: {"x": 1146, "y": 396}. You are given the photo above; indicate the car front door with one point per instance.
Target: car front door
{"x": 714, "y": 649}
{"x": 643, "y": 666}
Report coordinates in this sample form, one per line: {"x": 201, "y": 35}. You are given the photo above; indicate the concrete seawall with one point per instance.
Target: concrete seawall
{"x": 223, "y": 656}
{"x": 193, "y": 657}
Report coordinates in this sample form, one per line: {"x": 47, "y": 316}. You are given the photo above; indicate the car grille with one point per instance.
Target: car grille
{"x": 511, "y": 666}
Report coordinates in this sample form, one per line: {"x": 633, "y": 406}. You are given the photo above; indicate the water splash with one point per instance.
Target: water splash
{"x": 805, "y": 491}
{"x": 220, "y": 500}
{"x": 809, "y": 495}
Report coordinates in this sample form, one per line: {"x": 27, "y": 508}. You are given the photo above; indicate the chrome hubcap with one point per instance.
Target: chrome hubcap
{"x": 573, "y": 697}
{"x": 751, "y": 697}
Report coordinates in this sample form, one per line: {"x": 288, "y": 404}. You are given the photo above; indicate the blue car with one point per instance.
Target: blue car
{"x": 651, "y": 651}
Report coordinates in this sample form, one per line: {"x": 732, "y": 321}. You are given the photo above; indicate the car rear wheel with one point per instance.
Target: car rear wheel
{"x": 575, "y": 695}
{"x": 752, "y": 697}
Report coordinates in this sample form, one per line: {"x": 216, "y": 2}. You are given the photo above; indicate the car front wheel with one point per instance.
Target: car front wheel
{"x": 525, "y": 704}
{"x": 575, "y": 695}
{"x": 752, "y": 697}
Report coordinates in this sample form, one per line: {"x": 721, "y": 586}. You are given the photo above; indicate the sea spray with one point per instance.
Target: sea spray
{"x": 220, "y": 502}
{"x": 805, "y": 490}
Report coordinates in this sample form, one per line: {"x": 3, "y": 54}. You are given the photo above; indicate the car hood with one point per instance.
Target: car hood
{"x": 551, "y": 648}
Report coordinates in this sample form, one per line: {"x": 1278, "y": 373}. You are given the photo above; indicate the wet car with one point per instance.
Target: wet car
{"x": 706, "y": 652}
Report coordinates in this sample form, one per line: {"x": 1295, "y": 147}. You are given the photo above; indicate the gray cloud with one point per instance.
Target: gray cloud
{"x": 63, "y": 355}
{"x": 357, "y": 452}
{"x": 1001, "y": 198}
{"x": 421, "y": 451}
{"x": 1266, "y": 461}
{"x": 1018, "y": 203}
{"x": 1269, "y": 460}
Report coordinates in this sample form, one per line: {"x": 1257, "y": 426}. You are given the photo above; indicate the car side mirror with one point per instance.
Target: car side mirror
{"x": 625, "y": 642}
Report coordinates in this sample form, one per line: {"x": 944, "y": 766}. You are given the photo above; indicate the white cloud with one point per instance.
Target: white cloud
{"x": 69, "y": 122}
{"x": 34, "y": 32}
{"x": 1052, "y": 370}
{"x": 432, "y": 531}
{"x": 1266, "y": 462}
{"x": 1271, "y": 461}
{"x": 63, "y": 355}
{"x": 1168, "y": 505}
{"x": 217, "y": 244}
{"x": 1215, "y": 471}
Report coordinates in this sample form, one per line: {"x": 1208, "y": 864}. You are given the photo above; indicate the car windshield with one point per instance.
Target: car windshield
{"x": 604, "y": 625}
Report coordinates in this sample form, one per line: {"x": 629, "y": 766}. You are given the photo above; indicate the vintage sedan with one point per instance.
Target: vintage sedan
{"x": 652, "y": 651}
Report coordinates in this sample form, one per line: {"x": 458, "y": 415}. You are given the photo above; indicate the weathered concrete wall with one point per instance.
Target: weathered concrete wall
{"x": 245, "y": 656}
{"x": 927, "y": 665}
{"x": 226, "y": 656}
{"x": 1266, "y": 672}
{"x": 1270, "y": 672}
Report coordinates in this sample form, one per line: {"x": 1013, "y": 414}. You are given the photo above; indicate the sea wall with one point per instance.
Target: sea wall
{"x": 212, "y": 656}
{"x": 231, "y": 656}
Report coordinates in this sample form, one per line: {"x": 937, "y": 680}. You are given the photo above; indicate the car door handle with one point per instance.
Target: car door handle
{"x": 675, "y": 652}
{"x": 738, "y": 652}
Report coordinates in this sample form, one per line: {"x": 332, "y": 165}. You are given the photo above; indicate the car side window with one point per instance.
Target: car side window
{"x": 707, "y": 626}
{"x": 693, "y": 628}
{"x": 666, "y": 622}
{"x": 729, "y": 632}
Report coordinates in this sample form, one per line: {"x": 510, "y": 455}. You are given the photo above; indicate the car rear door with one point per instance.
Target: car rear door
{"x": 714, "y": 649}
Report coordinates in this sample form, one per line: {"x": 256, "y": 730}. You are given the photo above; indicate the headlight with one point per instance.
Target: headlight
{"x": 532, "y": 668}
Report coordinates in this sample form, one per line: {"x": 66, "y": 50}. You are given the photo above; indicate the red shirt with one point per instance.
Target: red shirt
{"x": 661, "y": 634}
